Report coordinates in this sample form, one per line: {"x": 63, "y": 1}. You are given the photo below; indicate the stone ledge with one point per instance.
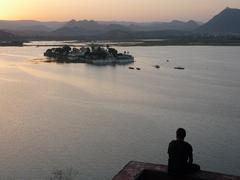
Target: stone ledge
{"x": 147, "y": 171}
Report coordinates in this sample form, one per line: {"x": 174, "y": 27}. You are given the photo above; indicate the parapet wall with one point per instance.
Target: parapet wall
{"x": 147, "y": 171}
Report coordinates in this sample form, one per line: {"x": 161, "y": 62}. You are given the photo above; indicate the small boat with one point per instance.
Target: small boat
{"x": 131, "y": 68}
{"x": 167, "y": 60}
{"x": 157, "y": 66}
{"x": 138, "y": 69}
{"x": 179, "y": 68}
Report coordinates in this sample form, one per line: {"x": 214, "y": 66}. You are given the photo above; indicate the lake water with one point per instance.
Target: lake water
{"x": 96, "y": 119}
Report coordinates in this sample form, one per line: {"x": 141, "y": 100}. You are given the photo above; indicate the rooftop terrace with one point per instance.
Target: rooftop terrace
{"x": 147, "y": 171}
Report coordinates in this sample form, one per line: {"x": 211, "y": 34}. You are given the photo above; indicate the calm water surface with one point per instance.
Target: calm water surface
{"x": 96, "y": 119}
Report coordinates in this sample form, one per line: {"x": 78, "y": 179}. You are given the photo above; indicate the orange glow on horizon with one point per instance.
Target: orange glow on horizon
{"x": 126, "y": 10}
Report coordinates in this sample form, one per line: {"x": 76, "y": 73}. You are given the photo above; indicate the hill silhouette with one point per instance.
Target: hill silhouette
{"x": 6, "y": 35}
{"x": 86, "y": 27}
{"x": 226, "y": 22}
{"x": 73, "y": 28}
{"x": 224, "y": 27}
{"x": 30, "y": 25}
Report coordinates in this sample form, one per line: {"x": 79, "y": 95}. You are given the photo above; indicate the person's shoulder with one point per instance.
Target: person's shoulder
{"x": 173, "y": 142}
{"x": 188, "y": 145}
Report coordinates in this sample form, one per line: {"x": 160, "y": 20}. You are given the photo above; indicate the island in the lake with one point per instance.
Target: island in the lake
{"x": 92, "y": 54}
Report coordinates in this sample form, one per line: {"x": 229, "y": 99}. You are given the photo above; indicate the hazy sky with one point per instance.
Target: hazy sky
{"x": 126, "y": 10}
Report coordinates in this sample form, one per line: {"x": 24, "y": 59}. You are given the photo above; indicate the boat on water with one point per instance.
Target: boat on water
{"x": 179, "y": 68}
{"x": 93, "y": 54}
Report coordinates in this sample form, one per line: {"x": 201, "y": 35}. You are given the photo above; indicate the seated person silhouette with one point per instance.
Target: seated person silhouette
{"x": 180, "y": 160}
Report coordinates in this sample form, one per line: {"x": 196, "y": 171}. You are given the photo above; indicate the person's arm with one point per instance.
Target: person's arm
{"x": 170, "y": 148}
{"x": 191, "y": 155}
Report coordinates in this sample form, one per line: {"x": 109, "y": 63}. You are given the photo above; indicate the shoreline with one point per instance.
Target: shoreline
{"x": 132, "y": 43}
{"x": 149, "y": 43}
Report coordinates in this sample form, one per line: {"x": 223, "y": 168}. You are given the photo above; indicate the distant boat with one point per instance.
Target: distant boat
{"x": 179, "y": 68}
{"x": 138, "y": 69}
{"x": 157, "y": 66}
{"x": 131, "y": 68}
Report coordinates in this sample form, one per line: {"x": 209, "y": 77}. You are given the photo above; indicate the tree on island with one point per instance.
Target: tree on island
{"x": 66, "y": 48}
{"x": 100, "y": 53}
{"x": 113, "y": 51}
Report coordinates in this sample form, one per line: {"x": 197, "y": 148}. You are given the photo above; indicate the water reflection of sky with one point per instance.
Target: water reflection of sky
{"x": 96, "y": 119}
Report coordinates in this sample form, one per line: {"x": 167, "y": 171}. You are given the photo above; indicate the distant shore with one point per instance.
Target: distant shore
{"x": 152, "y": 43}
{"x": 11, "y": 43}
{"x": 179, "y": 43}
{"x": 129, "y": 43}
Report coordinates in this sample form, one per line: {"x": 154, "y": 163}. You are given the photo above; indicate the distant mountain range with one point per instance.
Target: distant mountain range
{"x": 6, "y": 35}
{"x": 114, "y": 30}
{"x": 86, "y": 28}
{"x": 226, "y": 22}
{"x": 173, "y": 25}
{"x": 30, "y": 25}
{"x": 93, "y": 26}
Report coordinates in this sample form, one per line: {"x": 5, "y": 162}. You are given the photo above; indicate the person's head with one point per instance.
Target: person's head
{"x": 181, "y": 133}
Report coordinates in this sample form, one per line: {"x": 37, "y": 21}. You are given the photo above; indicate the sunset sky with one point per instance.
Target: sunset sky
{"x": 125, "y": 10}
